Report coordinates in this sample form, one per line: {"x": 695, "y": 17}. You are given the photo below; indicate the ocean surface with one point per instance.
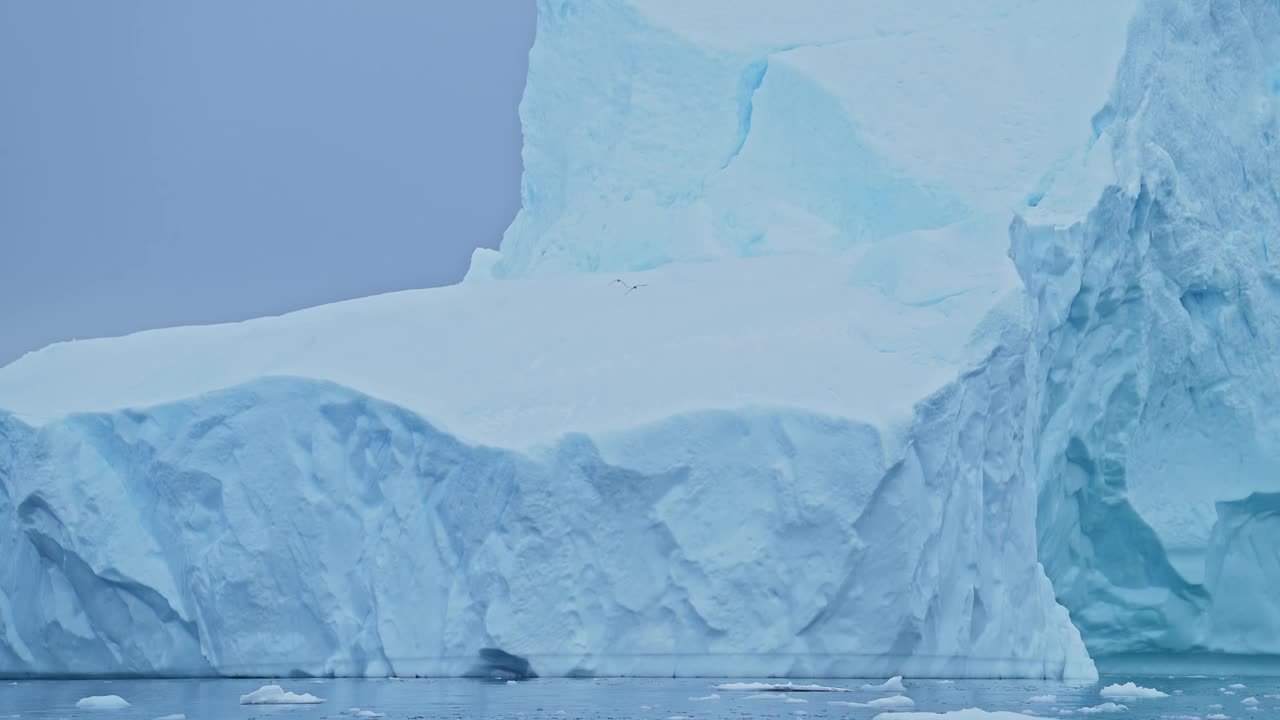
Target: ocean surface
{"x": 628, "y": 698}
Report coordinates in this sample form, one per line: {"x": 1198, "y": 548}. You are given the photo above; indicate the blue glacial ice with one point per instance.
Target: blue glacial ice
{"x": 955, "y": 355}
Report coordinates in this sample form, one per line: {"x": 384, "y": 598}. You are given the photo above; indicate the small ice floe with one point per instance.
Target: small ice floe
{"x": 893, "y": 684}
{"x": 1225, "y": 691}
{"x": 1180, "y": 717}
{"x": 892, "y": 703}
{"x": 799, "y": 712}
{"x": 895, "y": 702}
{"x": 1064, "y": 711}
{"x": 1130, "y": 691}
{"x": 646, "y": 707}
{"x": 774, "y": 696}
{"x": 1176, "y": 692}
{"x": 1236, "y": 686}
{"x": 777, "y": 687}
{"x": 1272, "y": 697}
{"x": 561, "y": 713}
{"x": 679, "y": 717}
{"x": 175, "y": 716}
{"x": 966, "y": 714}
{"x": 1249, "y": 701}
{"x": 1043, "y": 698}
{"x": 364, "y": 714}
{"x": 276, "y": 695}
{"x": 102, "y": 702}
{"x": 512, "y": 682}
{"x": 706, "y": 698}
{"x": 1106, "y": 707}
{"x": 1218, "y": 716}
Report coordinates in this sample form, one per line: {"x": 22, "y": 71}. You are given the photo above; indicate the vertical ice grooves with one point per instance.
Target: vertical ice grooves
{"x": 752, "y": 78}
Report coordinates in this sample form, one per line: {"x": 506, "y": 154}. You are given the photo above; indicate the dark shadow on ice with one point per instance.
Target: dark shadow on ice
{"x": 498, "y": 664}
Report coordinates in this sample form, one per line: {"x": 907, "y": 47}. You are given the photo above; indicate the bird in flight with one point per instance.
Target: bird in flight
{"x": 628, "y": 286}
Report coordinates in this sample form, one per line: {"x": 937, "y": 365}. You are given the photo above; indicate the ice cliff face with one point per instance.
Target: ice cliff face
{"x": 291, "y": 526}
{"x": 940, "y": 305}
{"x": 1157, "y": 318}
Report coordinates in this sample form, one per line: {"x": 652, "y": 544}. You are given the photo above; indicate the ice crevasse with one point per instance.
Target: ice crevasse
{"x": 954, "y": 354}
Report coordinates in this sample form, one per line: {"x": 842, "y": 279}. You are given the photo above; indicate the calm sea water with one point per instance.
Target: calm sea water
{"x": 620, "y": 699}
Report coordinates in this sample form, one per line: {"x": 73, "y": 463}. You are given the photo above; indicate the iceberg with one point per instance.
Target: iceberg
{"x": 951, "y": 353}
{"x": 1130, "y": 690}
{"x": 102, "y": 702}
{"x": 893, "y": 684}
{"x": 276, "y": 695}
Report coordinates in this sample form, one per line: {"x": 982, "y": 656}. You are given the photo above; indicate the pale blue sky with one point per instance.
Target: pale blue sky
{"x": 166, "y": 163}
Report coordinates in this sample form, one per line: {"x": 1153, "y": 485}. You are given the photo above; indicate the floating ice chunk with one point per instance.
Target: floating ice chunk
{"x": 966, "y": 714}
{"x": 1180, "y": 717}
{"x": 893, "y": 684}
{"x": 778, "y": 687}
{"x": 1043, "y": 698}
{"x": 1249, "y": 701}
{"x": 276, "y": 695}
{"x": 102, "y": 702}
{"x": 846, "y": 703}
{"x": 1130, "y": 690}
{"x": 1218, "y": 716}
{"x": 646, "y": 707}
{"x": 1236, "y": 686}
{"x": 368, "y": 714}
{"x": 1106, "y": 707}
{"x": 175, "y": 716}
{"x": 512, "y": 682}
{"x": 895, "y": 701}
{"x": 704, "y": 698}
{"x": 679, "y": 717}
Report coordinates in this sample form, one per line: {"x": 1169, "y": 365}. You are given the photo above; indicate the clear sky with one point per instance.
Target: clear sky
{"x": 167, "y": 163}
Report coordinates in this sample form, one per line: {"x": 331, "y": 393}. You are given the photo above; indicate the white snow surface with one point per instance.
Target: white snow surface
{"x": 893, "y": 684}
{"x": 1130, "y": 690}
{"x": 1106, "y": 707}
{"x": 953, "y": 320}
{"x": 276, "y": 695}
{"x": 102, "y": 702}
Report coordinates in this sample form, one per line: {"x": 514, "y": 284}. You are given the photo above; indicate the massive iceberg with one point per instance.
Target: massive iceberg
{"x": 951, "y": 352}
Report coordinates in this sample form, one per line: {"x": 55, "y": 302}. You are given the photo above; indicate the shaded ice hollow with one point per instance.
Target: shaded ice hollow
{"x": 956, "y": 356}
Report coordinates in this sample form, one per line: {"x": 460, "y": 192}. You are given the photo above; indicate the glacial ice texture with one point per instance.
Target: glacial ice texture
{"x": 955, "y": 355}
